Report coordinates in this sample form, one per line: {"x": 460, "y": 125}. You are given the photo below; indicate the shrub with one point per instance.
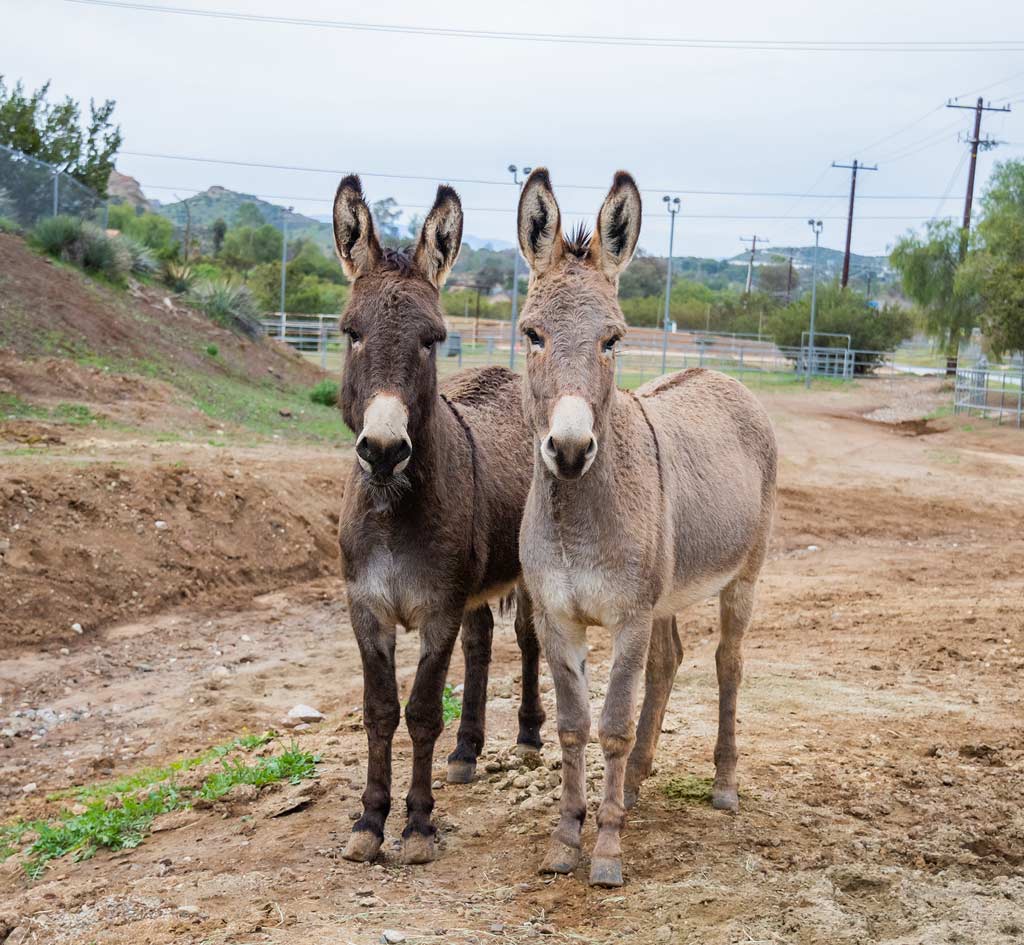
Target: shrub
{"x": 229, "y": 303}
{"x": 142, "y": 261}
{"x": 178, "y": 277}
{"x": 326, "y": 393}
{"x": 7, "y": 225}
{"x": 83, "y": 244}
{"x": 212, "y": 350}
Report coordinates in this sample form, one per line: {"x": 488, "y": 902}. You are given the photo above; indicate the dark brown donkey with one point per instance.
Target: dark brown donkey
{"x": 430, "y": 520}
{"x": 641, "y": 505}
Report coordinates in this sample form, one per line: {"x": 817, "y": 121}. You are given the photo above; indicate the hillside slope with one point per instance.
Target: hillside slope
{"x": 148, "y": 456}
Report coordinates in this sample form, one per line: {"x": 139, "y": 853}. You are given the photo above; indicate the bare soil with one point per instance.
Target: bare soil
{"x": 881, "y": 726}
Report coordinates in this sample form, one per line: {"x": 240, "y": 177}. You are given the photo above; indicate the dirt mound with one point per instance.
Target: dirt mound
{"x": 50, "y": 309}
{"x": 88, "y": 543}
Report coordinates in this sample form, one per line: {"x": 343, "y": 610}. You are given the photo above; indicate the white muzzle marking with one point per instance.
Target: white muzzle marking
{"x": 385, "y": 421}
{"x": 572, "y": 426}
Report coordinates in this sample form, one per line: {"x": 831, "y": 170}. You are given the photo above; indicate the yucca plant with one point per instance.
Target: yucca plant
{"x": 178, "y": 277}
{"x": 55, "y": 235}
{"x": 142, "y": 260}
{"x": 84, "y": 244}
{"x": 227, "y": 302}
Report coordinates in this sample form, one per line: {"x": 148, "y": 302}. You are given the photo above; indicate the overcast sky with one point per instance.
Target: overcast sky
{"x": 452, "y": 108}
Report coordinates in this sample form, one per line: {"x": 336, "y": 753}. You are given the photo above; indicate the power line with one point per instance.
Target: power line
{"x": 327, "y": 202}
{"x": 503, "y": 183}
{"x": 932, "y": 46}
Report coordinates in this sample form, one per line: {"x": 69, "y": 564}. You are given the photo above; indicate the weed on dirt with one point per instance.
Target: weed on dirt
{"x": 118, "y": 815}
{"x": 451, "y": 705}
{"x": 688, "y": 789}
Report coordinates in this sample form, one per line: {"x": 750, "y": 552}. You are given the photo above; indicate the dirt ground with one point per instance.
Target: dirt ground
{"x": 881, "y": 718}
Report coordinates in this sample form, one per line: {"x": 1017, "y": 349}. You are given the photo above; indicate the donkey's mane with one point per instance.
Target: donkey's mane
{"x": 577, "y": 242}
{"x": 397, "y": 260}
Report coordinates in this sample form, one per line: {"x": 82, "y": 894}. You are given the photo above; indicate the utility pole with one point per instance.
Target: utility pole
{"x": 672, "y": 205}
{"x": 514, "y": 171}
{"x": 815, "y": 225}
{"x": 853, "y": 168}
{"x": 975, "y": 142}
{"x": 789, "y": 289}
{"x": 750, "y": 264}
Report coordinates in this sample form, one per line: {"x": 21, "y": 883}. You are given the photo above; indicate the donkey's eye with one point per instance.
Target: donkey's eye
{"x": 609, "y": 346}
{"x": 428, "y": 344}
{"x": 353, "y": 335}
{"x": 534, "y": 338}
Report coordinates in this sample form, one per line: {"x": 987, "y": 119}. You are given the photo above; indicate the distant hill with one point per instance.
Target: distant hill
{"x": 830, "y": 261}
{"x": 221, "y": 203}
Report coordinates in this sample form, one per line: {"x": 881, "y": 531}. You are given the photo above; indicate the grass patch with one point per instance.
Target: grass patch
{"x": 325, "y": 393}
{"x": 688, "y": 789}
{"x": 451, "y": 705}
{"x": 119, "y": 814}
{"x": 13, "y": 407}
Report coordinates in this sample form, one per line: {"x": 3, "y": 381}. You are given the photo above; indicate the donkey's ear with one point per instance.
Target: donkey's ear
{"x": 540, "y": 222}
{"x": 441, "y": 237}
{"x": 354, "y": 236}
{"x": 618, "y": 227}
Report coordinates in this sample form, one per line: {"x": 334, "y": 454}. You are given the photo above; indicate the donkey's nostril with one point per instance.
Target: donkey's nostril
{"x": 364, "y": 449}
{"x": 591, "y": 449}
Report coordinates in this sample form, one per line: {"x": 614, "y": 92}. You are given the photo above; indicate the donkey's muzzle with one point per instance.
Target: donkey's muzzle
{"x": 382, "y": 460}
{"x": 568, "y": 458}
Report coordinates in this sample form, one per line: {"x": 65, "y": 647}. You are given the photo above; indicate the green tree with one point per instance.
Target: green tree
{"x": 928, "y": 265}
{"x": 218, "y": 231}
{"x": 386, "y": 213}
{"x": 842, "y": 311}
{"x": 777, "y": 278}
{"x": 53, "y": 132}
{"x": 150, "y": 229}
{"x": 248, "y": 246}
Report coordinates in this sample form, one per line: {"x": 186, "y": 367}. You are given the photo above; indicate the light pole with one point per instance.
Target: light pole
{"x": 514, "y": 171}
{"x": 284, "y": 262}
{"x": 672, "y": 204}
{"x": 815, "y": 225}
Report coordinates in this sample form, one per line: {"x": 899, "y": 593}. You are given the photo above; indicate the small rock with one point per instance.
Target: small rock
{"x": 435, "y": 786}
{"x": 29, "y": 788}
{"x": 305, "y": 713}
{"x": 392, "y": 937}
{"x": 188, "y": 910}
{"x": 77, "y": 627}
{"x": 813, "y": 548}
{"x": 160, "y": 524}
{"x": 497, "y": 928}
{"x": 220, "y": 672}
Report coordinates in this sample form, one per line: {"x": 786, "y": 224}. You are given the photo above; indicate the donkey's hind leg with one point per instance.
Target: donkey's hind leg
{"x": 477, "y": 634}
{"x": 663, "y": 659}
{"x": 736, "y": 605}
{"x": 531, "y": 712}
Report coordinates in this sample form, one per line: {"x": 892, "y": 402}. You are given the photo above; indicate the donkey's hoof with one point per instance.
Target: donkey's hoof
{"x": 725, "y": 799}
{"x": 417, "y": 848}
{"x": 605, "y": 871}
{"x": 461, "y": 772}
{"x": 560, "y": 858}
{"x": 362, "y": 846}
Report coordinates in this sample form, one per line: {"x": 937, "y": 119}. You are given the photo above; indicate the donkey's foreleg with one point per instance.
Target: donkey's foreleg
{"x": 381, "y": 713}
{"x": 477, "y": 633}
{"x": 736, "y": 605}
{"x": 531, "y": 711}
{"x": 618, "y": 735}
{"x": 566, "y": 648}
{"x": 663, "y": 659}
{"x": 425, "y": 718}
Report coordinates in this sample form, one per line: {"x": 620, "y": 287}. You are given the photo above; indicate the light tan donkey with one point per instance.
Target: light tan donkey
{"x": 641, "y": 505}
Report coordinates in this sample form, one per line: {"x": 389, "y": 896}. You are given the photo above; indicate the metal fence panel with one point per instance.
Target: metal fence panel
{"x": 990, "y": 393}
{"x": 31, "y": 190}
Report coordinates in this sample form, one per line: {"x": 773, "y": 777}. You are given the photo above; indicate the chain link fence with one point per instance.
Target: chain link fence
{"x": 31, "y": 190}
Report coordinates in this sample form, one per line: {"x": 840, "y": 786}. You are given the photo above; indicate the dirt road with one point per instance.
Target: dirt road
{"x": 881, "y": 738}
